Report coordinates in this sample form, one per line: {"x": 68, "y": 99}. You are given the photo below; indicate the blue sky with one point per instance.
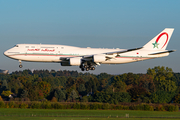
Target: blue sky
{"x": 95, "y": 23}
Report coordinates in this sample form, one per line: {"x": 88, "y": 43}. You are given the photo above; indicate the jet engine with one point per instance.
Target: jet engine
{"x": 75, "y": 61}
{"x": 65, "y": 64}
{"x": 72, "y": 62}
{"x": 99, "y": 58}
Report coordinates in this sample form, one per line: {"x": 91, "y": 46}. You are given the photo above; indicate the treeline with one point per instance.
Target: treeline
{"x": 158, "y": 85}
{"x": 89, "y": 106}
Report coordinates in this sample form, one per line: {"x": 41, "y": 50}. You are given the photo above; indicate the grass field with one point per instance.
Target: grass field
{"x": 51, "y": 114}
{"x": 77, "y": 118}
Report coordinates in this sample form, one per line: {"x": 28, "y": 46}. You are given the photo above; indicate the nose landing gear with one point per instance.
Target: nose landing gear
{"x": 20, "y": 66}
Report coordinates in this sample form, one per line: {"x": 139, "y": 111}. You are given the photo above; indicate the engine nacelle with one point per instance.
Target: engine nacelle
{"x": 75, "y": 61}
{"x": 99, "y": 58}
{"x": 65, "y": 64}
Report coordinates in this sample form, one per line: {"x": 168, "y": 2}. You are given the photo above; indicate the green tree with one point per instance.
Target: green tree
{"x": 92, "y": 85}
{"x": 131, "y": 79}
{"x": 62, "y": 81}
{"x": 177, "y": 99}
{"x": 113, "y": 98}
{"x": 33, "y": 91}
{"x": 60, "y": 95}
{"x": 118, "y": 84}
{"x": 6, "y": 93}
{"x": 1, "y": 98}
{"x": 73, "y": 96}
{"x": 163, "y": 78}
{"x": 160, "y": 73}
{"x": 146, "y": 81}
{"x": 104, "y": 84}
{"x": 44, "y": 87}
{"x": 166, "y": 85}
{"x": 70, "y": 85}
{"x": 82, "y": 89}
{"x": 162, "y": 97}
{"x": 70, "y": 82}
{"x": 4, "y": 85}
{"x": 137, "y": 92}
{"x": 54, "y": 99}
{"x": 79, "y": 81}
{"x": 16, "y": 82}
{"x": 24, "y": 94}
{"x": 102, "y": 76}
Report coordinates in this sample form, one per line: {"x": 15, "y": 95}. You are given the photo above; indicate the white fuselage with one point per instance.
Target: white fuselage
{"x": 54, "y": 53}
{"x": 88, "y": 58}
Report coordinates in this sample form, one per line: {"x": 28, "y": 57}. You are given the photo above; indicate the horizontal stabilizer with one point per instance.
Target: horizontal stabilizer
{"x": 163, "y": 52}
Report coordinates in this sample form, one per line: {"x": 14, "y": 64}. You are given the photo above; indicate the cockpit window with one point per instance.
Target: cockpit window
{"x": 16, "y": 46}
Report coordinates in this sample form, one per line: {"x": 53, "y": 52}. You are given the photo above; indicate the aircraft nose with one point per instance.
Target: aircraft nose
{"x": 6, "y": 53}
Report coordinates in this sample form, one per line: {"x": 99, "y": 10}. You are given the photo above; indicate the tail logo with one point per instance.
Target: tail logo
{"x": 156, "y": 42}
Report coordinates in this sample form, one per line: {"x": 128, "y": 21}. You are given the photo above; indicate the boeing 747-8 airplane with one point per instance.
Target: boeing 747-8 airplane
{"x": 88, "y": 58}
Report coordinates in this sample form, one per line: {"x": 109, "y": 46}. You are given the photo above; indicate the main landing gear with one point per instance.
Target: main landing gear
{"x": 86, "y": 67}
{"x": 20, "y": 66}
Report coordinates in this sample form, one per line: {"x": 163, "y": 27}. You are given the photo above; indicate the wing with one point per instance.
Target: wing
{"x": 108, "y": 55}
{"x": 88, "y": 62}
{"x": 124, "y": 51}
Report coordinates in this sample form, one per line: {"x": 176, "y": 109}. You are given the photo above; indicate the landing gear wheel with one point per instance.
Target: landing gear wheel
{"x": 87, "y": 69}
{"x": 86, "y": 66}
{"x": 92, "y": 68}
{"x": 20, "y": 66}
{"x": 81, "y": 66}
{"x": 82, "y": 69}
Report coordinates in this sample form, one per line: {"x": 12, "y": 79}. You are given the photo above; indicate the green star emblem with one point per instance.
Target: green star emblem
{"x": 155, "y": 44}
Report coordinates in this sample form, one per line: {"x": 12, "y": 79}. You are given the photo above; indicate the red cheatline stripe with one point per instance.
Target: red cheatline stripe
{"x": 134, "y": 57}
{"x": 41, "y": 55}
